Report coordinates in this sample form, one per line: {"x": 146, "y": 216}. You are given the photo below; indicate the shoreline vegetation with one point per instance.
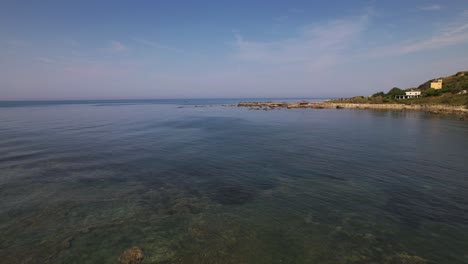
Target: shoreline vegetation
{"x": 449, "y": 97}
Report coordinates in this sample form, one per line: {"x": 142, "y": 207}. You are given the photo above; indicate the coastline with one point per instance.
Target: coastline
{"x": 459, "y": 111}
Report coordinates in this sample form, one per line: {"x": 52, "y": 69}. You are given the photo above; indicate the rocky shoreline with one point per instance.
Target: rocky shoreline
{"x": 459, "y": 111}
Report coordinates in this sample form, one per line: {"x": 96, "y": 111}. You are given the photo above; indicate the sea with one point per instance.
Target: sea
{"x": 204, "y": 181}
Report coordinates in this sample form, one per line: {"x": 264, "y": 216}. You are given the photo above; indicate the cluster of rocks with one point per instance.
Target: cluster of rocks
{"x": 133, "y": 255}
{"x": 273, "y": 105}
{"x": 439, "y": 109}
{"x": 262, "y": 105}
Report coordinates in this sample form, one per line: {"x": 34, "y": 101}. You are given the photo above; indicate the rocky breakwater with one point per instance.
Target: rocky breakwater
{"x": 459, "y": 111}
{"x": 263, "y": 105}
{"x": 273, "y": 105}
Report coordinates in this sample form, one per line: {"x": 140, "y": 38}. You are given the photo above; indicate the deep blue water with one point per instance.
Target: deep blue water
{"x": 196, "y": 181}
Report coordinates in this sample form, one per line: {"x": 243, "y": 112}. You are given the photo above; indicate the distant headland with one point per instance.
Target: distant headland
{"x": 446, "y": 95}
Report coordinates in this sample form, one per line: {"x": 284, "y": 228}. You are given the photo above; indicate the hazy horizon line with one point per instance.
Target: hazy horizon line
{"x": 143, "y": 99}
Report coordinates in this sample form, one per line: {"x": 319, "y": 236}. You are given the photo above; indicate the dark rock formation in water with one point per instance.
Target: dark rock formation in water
{"x": 133, "y": 255}
{"x": 458, "y": 110}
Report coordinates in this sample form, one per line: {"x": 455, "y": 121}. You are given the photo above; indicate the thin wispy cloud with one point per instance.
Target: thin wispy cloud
{"x": 450, "y": 36}
{"x": 277, "y": 52}
{"x": 431, "y": 8}
{"x": 117, "y": 46}
{"x": 319, "y": 45}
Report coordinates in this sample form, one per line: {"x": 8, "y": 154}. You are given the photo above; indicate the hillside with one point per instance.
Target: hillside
{"x": 453, "y": 92}
{"x": 457, "y": 82}
{"x": 454, "y": 83}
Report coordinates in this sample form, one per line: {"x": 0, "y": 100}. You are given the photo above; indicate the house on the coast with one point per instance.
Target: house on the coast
{"x": 436, "y": 84}
{"x": 409, "y": 95}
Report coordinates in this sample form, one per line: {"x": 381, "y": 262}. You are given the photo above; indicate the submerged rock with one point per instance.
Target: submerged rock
{"x": 133, "y": 255}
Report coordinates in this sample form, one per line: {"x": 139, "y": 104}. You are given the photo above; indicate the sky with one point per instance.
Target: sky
{"x": 54, "y": 50}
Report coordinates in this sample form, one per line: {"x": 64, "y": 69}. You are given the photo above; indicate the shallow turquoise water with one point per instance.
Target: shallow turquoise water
{"x": 196, "y": 182}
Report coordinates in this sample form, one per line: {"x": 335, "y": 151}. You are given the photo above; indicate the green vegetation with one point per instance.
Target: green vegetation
{"x": 432, "y": 92}
{"x": 378, "y": 99}
{"x": 450, "y": 94}
{"x": 378, "y": 94}
{"x": 451, "y": 84}
{"x": 395, "y": 91}
{"x": 446, "y": 98}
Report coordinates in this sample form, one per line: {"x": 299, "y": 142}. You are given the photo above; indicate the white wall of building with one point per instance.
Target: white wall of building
{"x": 413, "y": 93}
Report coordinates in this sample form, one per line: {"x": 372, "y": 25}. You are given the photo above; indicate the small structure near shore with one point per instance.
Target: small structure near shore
{"x": 409, "y": 95}
{"x": 437, "y": 84}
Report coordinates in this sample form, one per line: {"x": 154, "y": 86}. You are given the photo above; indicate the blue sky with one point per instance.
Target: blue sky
{"x": 218, "y": 49}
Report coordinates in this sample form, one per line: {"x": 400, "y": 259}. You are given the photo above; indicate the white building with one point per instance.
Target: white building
{"x": 413, "y": 93}
{"x": 409, "y": 94}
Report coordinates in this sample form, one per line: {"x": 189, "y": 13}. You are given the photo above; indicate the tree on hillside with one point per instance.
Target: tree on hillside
{"x": 377, "y": 99}
{"x": 378, "y": 94}
{"x": 395, "y": 91}
{"x": 432, "y": 92}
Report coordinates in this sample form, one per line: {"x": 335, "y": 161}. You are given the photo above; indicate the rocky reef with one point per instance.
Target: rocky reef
{"x": 460, "y": 111}
{"x": 133, "y": 255}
